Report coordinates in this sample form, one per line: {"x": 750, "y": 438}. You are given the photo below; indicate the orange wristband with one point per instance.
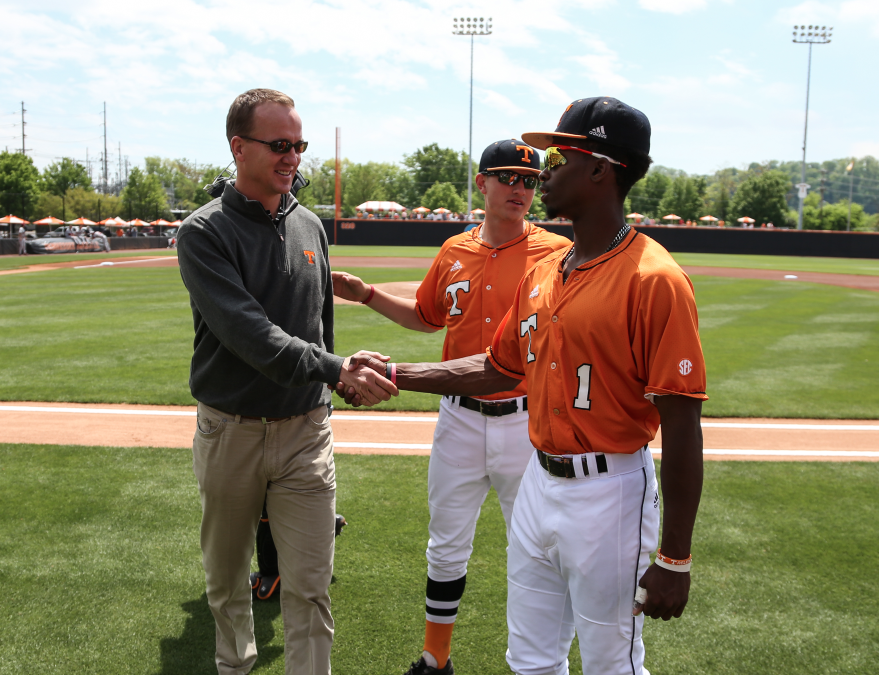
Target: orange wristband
{"x": 672, "y": 564}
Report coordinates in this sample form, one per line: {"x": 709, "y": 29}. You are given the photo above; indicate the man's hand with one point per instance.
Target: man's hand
{"x": 667, "y": 593}
{"x": 362, "y": 380}
{"x": 349, "y": 287}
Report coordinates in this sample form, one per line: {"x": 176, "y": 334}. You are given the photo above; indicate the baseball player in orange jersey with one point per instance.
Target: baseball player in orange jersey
{"x": 479, "y": 442}
{"x": 605, "y": 334}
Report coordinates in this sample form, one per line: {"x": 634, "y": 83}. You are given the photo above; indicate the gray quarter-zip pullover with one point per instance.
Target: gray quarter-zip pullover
{"x": 262, "y": 305}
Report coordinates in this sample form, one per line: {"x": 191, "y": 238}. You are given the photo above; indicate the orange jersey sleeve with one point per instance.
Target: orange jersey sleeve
{"x": 470, "y": 287}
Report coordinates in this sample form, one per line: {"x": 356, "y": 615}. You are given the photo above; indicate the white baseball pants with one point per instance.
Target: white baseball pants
{"x": 578, "y": 547}
{"x": 471, "y": 453}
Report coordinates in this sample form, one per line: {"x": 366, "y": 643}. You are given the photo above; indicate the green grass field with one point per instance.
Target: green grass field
{"x": 101, "y": 570}
{"x": 776, "y": 349}
{"x": 14, "y": 262}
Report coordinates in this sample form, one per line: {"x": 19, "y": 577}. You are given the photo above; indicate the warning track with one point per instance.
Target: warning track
{"x": 367, "y": 432}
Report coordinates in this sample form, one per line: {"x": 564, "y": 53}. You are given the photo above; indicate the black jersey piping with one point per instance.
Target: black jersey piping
{"x": 617, "y": 249}
{"x": 640, "y": 539}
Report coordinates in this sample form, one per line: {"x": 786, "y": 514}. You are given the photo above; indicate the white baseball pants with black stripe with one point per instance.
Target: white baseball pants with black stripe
{"x": 471, "y": 453}
{"x": 578, "y": 547}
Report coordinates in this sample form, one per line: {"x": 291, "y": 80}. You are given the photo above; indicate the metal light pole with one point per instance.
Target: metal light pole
{"x": 471, "y": 27}
{"x": 851, "y": 186}
{"x": 811, "y": 35}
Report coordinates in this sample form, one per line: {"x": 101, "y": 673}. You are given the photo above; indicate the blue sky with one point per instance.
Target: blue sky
{"x": 720, "y": 80}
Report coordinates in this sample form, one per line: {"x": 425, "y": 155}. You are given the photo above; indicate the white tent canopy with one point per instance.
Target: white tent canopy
{"x": 381, "y": 206}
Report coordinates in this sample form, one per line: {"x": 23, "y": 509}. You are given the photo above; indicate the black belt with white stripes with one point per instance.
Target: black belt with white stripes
{"x": 491, "y": 408}
{"x": 563, "y": 467}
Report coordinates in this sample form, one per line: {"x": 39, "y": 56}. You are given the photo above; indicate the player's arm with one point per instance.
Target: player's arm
{"x": 399, "y": 310}
{"x": 681, "y": 475}
{"x": 470, "y": 376}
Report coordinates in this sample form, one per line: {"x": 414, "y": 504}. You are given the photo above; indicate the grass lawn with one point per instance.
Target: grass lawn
{"x": 14, "y": 262}
{"x": 782, "y": 262}
{"x": 385, "y": 251}
{"x": 114, "y": 335}
{"x": 101, "y": 570}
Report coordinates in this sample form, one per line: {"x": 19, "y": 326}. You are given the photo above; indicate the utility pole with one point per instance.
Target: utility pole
{"x": 88, "y": 164}
{"x": 23, "y": 124}
{"x": 851, "y": 186}
{"x": 105, "y": 148}
{"x": 821, "y": 189}
{"x": 820, "y": 36}
{"x": 471, "y": 27}
{"x": 119, "y": 179}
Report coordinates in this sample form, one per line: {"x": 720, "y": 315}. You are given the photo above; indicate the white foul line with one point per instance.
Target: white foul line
{"x": 109, "y": 263}
{"x": 383, "y": 446}
{"x": 784, "y": 453}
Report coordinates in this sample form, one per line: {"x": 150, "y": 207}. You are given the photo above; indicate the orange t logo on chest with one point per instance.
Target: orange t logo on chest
{"x": 526, "y": 153}
{"x": 310, "y": 256}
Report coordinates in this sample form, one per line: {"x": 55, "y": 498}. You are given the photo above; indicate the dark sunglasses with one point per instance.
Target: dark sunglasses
{"x": 511, "y": 178}
{"x": 281, "y": 147}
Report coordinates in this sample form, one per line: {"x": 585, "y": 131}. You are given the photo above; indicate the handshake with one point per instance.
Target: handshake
{"x": 363, "y": 381}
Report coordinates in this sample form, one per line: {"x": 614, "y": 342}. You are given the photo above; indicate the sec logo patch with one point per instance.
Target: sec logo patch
{"x": 685, "y": 367}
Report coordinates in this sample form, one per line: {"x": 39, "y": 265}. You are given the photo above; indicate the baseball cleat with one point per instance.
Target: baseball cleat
{"x": 421, "y": 668}
{"x": 340, "y": 523}
{"x": 267, "y": 587}
{"x": 255, "y": 578}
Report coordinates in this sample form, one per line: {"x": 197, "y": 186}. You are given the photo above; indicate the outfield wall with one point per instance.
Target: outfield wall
{"x": 677, "y": 239}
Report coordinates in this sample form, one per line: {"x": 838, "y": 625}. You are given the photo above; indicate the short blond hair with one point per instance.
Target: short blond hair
{"x": 240, "y": 117}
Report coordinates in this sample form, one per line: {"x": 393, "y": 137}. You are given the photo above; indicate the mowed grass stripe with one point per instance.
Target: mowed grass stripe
{"x": 101, "y": 570}
{"x": 124, "y": 335}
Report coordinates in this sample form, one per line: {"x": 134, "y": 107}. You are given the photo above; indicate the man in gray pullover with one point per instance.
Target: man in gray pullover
{"x": 256, "y": 266}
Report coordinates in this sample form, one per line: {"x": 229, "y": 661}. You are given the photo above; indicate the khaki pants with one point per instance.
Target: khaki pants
{"x": 239, "y": 464}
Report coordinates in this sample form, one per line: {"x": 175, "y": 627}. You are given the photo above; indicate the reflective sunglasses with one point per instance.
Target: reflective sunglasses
{"x": 555, "y": 158}
{"x": 281, "y": 147}
{"x": 511, "y": 178}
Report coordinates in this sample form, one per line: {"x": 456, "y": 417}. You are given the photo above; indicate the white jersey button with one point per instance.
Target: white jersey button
{"x": 552, "y": 365}
{"x": 555, "y": 319}
{"x": 488, "y": 321}
{"x": 488, "y": 288}
{"x": 494, "y": 255}
{"x": 555, "y": 410}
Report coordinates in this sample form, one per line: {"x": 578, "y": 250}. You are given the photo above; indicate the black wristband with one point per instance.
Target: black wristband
{"x": 388, "y": 371}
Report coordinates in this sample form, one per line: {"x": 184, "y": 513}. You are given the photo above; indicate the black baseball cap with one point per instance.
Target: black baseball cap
{"x": 510, "y": 155}
{"x": 601, "y": 119}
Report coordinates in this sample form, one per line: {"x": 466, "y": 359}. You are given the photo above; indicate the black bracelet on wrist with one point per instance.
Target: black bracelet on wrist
{"x": 388, "y": 371}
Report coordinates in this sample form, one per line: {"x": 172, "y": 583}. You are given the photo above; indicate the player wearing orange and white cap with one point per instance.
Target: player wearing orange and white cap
{"x": 479, "y": 442}
{"x": 605, "y": 335}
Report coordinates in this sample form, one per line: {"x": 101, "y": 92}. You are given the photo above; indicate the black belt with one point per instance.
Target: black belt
{"x": 563, "y": 467}
{"x": 491, "y": 408}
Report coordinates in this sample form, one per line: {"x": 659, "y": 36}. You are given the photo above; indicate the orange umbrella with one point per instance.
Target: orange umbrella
{"x": 14, "y": 220}
{"x": 137, "y": 222}
{"x": 160, "y": 221}
{"x": 708, "y": 218}
{"x": 477, "y": 211}
{"x": 421, "y": 209}
{"x": 441, "y": 210}
{"x": 176, "y": 223}
{"x": 81, "y": 221}
{"x": 634, "y": 215}
{"x": 671, "y": 216}
{"x": 51, "y": 220}
{"x": 745, "y": 219}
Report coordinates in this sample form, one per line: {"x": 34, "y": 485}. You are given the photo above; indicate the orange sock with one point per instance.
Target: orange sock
{"x": 438, "y": 641}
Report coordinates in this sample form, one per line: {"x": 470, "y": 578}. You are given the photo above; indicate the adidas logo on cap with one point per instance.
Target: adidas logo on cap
{"x": 599, "y": 131}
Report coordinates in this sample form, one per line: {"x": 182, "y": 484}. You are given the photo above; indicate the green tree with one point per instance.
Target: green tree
{"x": 184, "y": 179}
{"x": 432, "y": 164}
{"x": 78, "y": 202}
{"x": 833, "y": 216}
{"x": 648, "y": 192}
{"x": 682, "y": 198}
{"x": 59, "y": 177}
{"x": 144, "y": 195}
{"x": 762, "y": 196}
{"x": 444, "y": 195}
{"x": 19, "y": 184}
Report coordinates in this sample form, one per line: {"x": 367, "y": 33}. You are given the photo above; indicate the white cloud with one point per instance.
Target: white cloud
{"x": 672, "y": 6}
{"x": 807, "y": 12}
{"x": 603, "y": 67}
{"x": 498, "y": 101}
{"x": 866, "y": 11}
{"x": 863, "y": 148}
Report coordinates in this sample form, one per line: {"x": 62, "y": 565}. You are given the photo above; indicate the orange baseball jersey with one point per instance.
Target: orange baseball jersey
{"x": 470, "y": 286}
{"x": 593, "y": 349}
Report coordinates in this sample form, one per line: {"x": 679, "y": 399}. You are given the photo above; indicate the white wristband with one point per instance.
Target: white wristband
{"x": 673, "y": 568}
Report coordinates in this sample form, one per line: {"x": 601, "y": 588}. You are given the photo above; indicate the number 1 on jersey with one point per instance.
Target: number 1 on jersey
{"x": 584, "y": 378}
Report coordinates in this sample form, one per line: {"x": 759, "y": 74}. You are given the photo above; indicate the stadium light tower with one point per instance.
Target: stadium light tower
{"x": 808, "y": 35}
{"x": 471, "y": 26}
